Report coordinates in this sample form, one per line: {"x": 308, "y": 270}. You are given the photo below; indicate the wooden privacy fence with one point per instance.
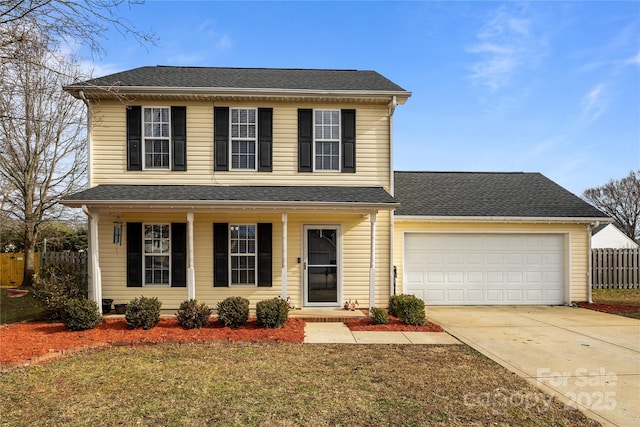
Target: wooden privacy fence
{"x": 615, "y": 268}
{"x": 12, "y": 269}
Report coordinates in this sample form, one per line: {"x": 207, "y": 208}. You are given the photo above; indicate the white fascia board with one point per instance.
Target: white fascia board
{"x": 401, "y": 96}
{"x": 230, "y": 204}
{"x": 501, "y": 219}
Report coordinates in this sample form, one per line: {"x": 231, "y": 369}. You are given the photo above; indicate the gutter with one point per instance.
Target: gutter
{"x": 75, "y": 90}
{"x": 504, "y": 219}
{"x": 243, "y": 204}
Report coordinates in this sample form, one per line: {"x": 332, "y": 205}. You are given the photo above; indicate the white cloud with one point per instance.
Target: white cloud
{"x": 594, "y": 103}
{"x": 505, "y": 45}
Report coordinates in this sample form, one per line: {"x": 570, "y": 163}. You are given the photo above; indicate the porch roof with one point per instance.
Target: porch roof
{"x": 212, "y": 196}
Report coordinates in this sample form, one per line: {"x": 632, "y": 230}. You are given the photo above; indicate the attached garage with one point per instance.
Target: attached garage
{"x": 477, "y": 269}
{"x": 487, "y": 238}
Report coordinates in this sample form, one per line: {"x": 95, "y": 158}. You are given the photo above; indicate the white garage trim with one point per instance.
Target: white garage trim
{"x": 457, "y": 267}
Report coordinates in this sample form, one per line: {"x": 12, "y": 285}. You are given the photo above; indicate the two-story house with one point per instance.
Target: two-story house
{"x": 214, "y": 182}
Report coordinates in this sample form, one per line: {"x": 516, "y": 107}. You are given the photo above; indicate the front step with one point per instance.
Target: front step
{"x": 327, "y": 315}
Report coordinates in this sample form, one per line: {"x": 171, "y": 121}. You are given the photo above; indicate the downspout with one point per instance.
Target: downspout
{"x": 89, "y": 119}
{"x": 392, "y": 108}
{"x": 590, "y": 227}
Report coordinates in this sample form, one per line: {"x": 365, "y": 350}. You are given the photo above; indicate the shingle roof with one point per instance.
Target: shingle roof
{"x": 211, "y": 193}
{"x": 479, "y": 194}
{"x": 247, "y": 78}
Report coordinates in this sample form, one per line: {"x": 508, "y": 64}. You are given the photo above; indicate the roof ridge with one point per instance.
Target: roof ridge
{"x": 255, "y": 68}
{"x": 471, "y": 172}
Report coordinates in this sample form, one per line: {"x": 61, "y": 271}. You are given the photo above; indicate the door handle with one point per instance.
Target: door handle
{"x": 304, "y": 264}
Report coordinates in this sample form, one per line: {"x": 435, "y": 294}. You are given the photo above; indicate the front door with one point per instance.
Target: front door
{"x": 321, "y": 267}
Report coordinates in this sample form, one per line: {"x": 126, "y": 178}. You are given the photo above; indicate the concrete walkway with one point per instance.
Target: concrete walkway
{"x": 587, "y": 359}
{"x": 339, "y": 333}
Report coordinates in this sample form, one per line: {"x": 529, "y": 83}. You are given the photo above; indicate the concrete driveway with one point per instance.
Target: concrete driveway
{"x": 587, "y": 359}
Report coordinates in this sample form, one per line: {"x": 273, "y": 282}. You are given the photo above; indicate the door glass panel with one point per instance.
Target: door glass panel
{"x": 322, "y": 270}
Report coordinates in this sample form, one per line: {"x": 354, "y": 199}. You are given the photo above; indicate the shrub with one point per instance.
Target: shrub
{"x": 393, "y": 305}
{"x": 410, "y": 310}
{"x": 58, "y": 283}
{"x": 233, "y": 311}
{"x": 379, "y": 316}
{"x": 272, "y": 313}
{"x": 143, "y": 312}
{"x": 81, "y": 314}
{"x": 193, "y": 314}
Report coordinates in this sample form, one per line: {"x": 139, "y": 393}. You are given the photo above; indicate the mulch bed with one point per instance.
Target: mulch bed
{"x": 609, "y": 308}
{"x": 34, "y": 342}
{"x": 394, "y": 325}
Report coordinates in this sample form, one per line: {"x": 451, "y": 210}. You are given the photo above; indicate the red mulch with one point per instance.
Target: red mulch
{"x": 609, "y": 308}
{"x": 32, "y": 340}
{"x": 394, "y": 324}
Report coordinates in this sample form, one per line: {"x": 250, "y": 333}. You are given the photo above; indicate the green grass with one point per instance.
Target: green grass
{"x": 277, "y": 384}
{"x": 14, "y": 310}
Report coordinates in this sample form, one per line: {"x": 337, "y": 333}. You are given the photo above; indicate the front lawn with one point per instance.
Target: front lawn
{"x": 282, "y": 384}
{"x": 14, "y": 310}
{"x": 624, "y": 302}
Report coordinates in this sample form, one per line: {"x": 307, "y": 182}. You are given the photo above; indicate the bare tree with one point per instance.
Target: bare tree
{"x": 620, "y": 199}
{"x": 42, "y": 141}
{"x": 82, "y": 21}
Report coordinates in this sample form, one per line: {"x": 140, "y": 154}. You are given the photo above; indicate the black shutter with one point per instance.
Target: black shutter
{"x": 264, "y": 254}
{"x": 221, "y": 138}
{"x": 178, "y": 255}
{"x": 305, "y": 140}
{"x": 265, "y": 139}
{"x": 134, "y": 138}
{"x": 220, "y": 254}
{"x": 179, "y": 138}
{"x": 349, "y": 141}
{"x": 134, "y": 254}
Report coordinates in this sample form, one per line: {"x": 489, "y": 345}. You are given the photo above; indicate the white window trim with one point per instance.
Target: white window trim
{"x": 144, "y": 257}
{"x": 255, "y": 256}
{"x": 144, "y": 140}
{"x": 231, "y": 139}
{"x": 315, "y": 141}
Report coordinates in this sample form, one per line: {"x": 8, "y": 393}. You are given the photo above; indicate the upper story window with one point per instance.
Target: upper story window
{"x": 156, "y": 138}
{"x": 327, "y": 140}
{"x": 243, "y": 138}
{"x": 156, "y": 128}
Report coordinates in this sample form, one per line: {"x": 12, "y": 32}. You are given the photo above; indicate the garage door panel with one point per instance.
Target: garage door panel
{"x": 485, "y": 268}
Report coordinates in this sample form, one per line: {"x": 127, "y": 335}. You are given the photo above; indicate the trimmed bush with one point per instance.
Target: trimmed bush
{"x": 272, "y": 313}
{"x": 233, "y": 311}
{"x": 81, "y": 314}
{"x": 379, "y": 316}
{"x": 393, "y": 305}
{"x": 57, "y": 284}
{"x": 410, "y": 310}
{"x": 193, "y": 314}
{"x": 143, "y": 312}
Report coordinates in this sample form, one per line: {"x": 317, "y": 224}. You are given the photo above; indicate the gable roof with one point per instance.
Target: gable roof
{"x": 488, "y": 194}
{"x": 247, "y": 80}
{"x": 247, "y": 196}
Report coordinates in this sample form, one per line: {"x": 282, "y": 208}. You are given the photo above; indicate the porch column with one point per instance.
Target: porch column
{"x": 372, "y": 262}
{"x": 95, "y": 278}
{"x": 191, "y": 273}
{"x": 284, "y": 255}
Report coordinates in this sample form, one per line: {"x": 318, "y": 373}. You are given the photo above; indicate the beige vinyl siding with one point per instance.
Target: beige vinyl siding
{"x": 576, "y": 241}
{"x": 355, "y": 257}
{"x": 109, "y": 156}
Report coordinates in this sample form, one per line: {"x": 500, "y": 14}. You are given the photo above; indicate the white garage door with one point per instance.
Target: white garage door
{"x": 490, "y": 269}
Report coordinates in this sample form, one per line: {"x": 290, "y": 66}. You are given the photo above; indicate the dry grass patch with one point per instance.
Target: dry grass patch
{"x": 277, "y": 384}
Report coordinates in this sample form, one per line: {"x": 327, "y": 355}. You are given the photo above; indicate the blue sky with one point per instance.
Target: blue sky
{"x": 550, "y": 87}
